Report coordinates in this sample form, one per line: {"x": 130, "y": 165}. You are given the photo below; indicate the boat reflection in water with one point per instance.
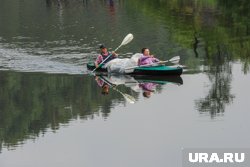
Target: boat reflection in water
{"x": 147, "y": 85}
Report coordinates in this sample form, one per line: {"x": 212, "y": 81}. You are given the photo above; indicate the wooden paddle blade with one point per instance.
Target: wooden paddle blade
{"x": 127, "y": 39}
{"x": 175, "y": 60}
{"x": 129, "y": 98}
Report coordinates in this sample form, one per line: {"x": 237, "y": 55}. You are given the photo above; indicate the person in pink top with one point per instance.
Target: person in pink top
{"x": 147, "y": 88}
{"x": 146, "y": 58}
{"x": 103, "y": 55}
{"x": 105, "y": 87}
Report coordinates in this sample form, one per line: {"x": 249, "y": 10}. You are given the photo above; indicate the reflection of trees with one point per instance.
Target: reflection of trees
{"x": 216, "y": 30}
{"x": 219, "y": 95}
{"x": 32, "y": 103}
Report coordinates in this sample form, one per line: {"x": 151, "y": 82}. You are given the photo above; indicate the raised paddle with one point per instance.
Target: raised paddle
{"x": 125, "y": 41}
{"x": 174, "y": 60}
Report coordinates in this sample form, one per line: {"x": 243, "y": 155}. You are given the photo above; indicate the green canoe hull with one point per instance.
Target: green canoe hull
{"x": 152, "y": 70}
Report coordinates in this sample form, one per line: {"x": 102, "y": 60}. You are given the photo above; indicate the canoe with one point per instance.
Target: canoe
{"x": 151, "y": 70}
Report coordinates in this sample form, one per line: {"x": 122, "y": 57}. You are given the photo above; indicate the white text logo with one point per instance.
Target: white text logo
{"x": 214, "y": 158}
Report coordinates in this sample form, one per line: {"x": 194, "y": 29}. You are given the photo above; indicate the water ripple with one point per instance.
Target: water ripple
{"x": 20, "y": 60}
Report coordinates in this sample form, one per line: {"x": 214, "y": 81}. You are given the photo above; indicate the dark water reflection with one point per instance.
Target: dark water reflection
{"x": 33, "y": 102}
{"x": 219, "y": 96}
{"x": 42, "y": 43}
{"x": 43, "y": 114}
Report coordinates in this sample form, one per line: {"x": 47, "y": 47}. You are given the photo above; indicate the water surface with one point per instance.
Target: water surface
{"x": 53, "y": 113}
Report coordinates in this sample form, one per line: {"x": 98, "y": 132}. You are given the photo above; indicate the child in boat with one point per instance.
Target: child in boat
{"x": 146, "y": 58}
{"x": 103, "y": 55}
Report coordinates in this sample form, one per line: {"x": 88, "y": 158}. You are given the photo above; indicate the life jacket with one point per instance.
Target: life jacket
{"x": 142, "y": 59}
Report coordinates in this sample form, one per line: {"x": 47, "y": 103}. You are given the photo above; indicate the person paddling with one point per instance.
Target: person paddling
{"x": 103, "y": 55}
{"x": 146, "y": 58}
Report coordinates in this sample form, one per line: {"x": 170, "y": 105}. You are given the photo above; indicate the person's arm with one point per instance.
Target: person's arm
{"x": 99, "y": 59}
{"x": 114, "y": 54}
{"x": 96, "y": 65}
{"x": 155, "y": 60}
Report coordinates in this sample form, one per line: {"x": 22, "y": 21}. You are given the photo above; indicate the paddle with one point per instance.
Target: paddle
{"x": 128, "y": 97}
{"x": 174, "y": 60}
{"x": 125, "y": 41}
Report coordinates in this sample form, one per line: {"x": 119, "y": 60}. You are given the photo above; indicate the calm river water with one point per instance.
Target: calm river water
{"x": 53, "y": 113}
